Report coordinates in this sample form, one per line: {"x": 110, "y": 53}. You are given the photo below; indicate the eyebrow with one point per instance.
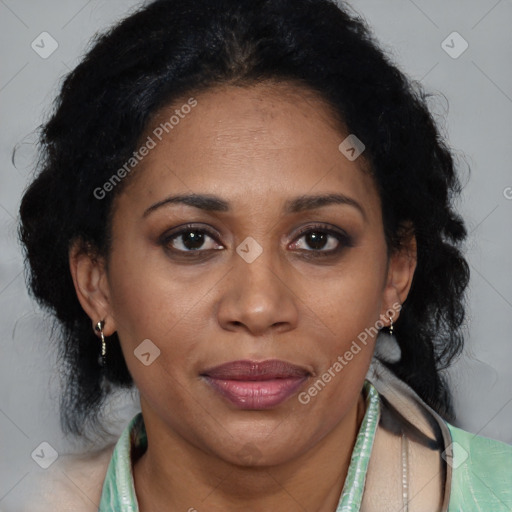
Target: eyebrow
{"x": 295, "y": 205}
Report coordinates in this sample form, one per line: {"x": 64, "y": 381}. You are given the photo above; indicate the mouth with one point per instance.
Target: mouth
{"x": 256, "y": 385}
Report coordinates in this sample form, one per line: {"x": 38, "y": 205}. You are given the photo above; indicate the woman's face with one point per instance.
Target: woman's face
{"x": 258, "y": 271}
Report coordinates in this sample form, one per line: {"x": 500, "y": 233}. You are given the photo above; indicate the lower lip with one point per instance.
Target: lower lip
{"x": 261, "y": 394}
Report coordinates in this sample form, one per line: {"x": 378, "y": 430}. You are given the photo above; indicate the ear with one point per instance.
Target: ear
{"x": 401, "y": 267}
{"x": 89, "y": 275}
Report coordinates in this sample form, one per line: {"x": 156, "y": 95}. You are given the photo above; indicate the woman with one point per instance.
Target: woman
{"x": 239, "y": 202}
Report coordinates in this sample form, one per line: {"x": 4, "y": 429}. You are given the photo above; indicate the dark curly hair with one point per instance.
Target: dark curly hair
{"x": 170, "y": 48}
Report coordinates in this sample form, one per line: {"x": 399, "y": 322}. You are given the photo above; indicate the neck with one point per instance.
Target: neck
{"x": 175, "y": 475}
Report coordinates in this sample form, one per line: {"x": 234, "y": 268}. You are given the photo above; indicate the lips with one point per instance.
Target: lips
{"x": 256, "y": 384}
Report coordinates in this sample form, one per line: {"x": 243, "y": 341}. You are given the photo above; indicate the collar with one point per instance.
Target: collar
{"x": 118, "y": 488}
{"x": 403, "y": 411}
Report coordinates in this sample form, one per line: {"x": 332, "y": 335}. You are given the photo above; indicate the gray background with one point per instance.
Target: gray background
{"x": 475, "y": 114}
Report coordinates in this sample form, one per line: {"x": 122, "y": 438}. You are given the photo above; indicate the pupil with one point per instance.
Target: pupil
{"x": 316, "y": 240}
{"x": 193, "y": 240}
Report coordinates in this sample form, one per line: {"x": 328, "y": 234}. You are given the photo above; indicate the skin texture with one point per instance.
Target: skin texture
{"x": 255, "y": 147}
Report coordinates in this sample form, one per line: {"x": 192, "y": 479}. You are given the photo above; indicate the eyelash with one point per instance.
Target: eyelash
{"x": 341, "y": 236}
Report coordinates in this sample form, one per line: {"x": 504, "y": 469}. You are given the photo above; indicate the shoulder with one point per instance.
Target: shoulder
{"x": 476, "y": 470}
{"x": 481, "y": 471}
{"x": 72, "y": 483}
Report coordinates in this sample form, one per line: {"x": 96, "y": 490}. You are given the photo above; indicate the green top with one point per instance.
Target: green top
{"x": 481, "y": 468}
{"x": 481, "y": 473}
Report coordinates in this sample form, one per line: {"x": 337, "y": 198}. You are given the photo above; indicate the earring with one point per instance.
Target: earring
{"x": 390, "y": 325}
{"x": 99, "y": 328}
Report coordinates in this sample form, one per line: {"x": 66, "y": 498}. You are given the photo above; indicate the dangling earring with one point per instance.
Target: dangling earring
{"x": 99, "y": 328}
{"x": 390, "y": 326}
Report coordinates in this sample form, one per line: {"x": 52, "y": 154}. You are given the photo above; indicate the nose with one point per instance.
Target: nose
{"x": 258, "y": 297}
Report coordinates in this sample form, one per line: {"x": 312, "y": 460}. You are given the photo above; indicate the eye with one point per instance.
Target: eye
{"x": 323, "y": 240}
{"x": 190, "y": 239}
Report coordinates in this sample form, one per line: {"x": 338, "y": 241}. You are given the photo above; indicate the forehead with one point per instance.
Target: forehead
{"x": 260, "y": 142}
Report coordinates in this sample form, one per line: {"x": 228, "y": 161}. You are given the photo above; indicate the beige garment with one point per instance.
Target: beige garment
{"x": 429, "y": 477}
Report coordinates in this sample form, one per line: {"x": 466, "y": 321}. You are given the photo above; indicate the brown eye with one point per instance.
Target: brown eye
{"x": 190, "y": 239}
{"x": 318, "y": 240}
{"x": 322, "y": 239}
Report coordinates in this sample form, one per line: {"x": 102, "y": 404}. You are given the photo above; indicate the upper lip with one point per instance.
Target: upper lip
{"x": 256, "y": 370}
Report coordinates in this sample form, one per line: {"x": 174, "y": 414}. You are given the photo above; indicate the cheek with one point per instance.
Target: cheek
{"x": 351, "y": 307}
{"x": 350, "y": 299}
{"x": 149, "y": 302}
{"x": 147, "y": 295}
{"x": 349, "y": 304}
